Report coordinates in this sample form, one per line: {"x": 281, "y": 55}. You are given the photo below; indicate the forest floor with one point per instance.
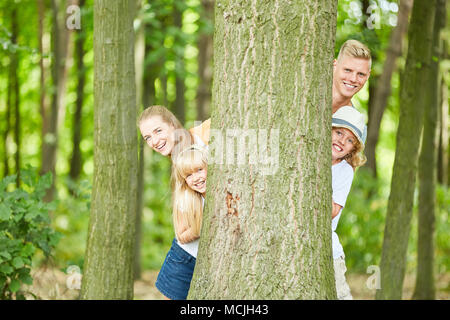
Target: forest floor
{"x": 51, "y": 284}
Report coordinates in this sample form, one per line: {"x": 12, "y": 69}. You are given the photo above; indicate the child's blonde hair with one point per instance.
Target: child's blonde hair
{"x": 183, "y": 137}
{"x": 187, "y": 203}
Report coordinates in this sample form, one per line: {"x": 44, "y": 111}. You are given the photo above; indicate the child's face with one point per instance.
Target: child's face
{"x": 342, "y": 143}
{"x": 158, "y": 134}
{"x": 197, "y": 180}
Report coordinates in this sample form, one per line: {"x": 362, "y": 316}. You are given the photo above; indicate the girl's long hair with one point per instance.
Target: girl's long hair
{"x": 187, "y": 203}
{"x": 183, "y": 137}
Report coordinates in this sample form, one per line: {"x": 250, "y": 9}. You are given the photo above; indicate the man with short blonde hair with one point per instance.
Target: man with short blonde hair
{"x": 351, "y": 70}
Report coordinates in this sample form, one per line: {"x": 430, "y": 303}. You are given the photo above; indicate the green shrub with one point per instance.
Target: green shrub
{"x": 24, "y": 228}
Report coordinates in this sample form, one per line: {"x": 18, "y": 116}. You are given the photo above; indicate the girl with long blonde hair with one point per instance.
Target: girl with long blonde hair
{"x": 189, "y": 171}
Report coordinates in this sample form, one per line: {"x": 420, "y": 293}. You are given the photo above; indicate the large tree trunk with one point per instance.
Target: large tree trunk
{"x": 400, "y": 205}
{"x": 108, "y": 268}
{"x": 425, "y": 288}
{"x": 205, "y": 55}
{"x": 76, "y": 160}
{"x": 267, "y": 223}
{"x": 383, "y": 87}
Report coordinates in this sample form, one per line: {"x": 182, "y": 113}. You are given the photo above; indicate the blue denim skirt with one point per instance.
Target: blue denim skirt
{"x": 174, "y": 278}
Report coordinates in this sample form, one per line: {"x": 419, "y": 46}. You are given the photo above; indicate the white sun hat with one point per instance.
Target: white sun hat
{"x": 350, "y": 118}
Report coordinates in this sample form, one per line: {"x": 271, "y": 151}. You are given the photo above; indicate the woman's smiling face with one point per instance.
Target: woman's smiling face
{"x": 159, "y": 135}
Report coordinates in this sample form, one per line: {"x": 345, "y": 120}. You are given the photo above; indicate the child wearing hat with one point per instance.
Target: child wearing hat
{"x": 347, "y": 145}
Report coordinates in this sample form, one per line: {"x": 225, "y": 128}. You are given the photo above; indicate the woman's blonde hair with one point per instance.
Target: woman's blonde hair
{"x": 183, "y": 137}
{"x": 187, "y": 203}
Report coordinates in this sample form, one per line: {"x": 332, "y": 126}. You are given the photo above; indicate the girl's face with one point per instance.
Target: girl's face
{"x": 342, "y": 143}
{"x": 159, "y": 135}
{"x": 197, "y": 180}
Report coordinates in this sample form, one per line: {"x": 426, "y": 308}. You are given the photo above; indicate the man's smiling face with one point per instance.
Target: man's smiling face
{"x": 349, "y": 75}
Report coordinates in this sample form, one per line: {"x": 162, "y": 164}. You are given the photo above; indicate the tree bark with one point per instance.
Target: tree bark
{"x": 266, "y": 232}
{"x": 383, "y": 88}
{"x": 108, "y": 268}
{"x": 425, "y": 288}
{"x": 400, "y": 204}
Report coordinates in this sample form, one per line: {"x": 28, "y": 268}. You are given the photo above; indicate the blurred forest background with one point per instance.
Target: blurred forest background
{"x": 46, "y": 119}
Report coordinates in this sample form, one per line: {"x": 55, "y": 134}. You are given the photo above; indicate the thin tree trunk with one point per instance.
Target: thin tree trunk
{"x": 42, "y": 101}
{"x": 205, "y": 55}
{"x": 139, "y": 74}
{"x": 443, "y": 163}
{"x": 60, "y": 41}
{"x": 76, "y": 160}
{"x": 108, "y": 268}
{"x": 383, "y": 88}
{"x": 66, "y": 52}
{"x": 179, "y": 70}
{"x": 400, "y": 204}
{"x": 49, "y": 143}
{"x": 16, "y": 85}
{"x": 9, "y": 102}
{"x": 425, "y": 288}
{"x": 266, "y": 230}
{"x": 8, "y": 127}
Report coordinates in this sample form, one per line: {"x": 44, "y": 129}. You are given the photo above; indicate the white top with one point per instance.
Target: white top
{"x": 192, "y": 247}
{"x": 341, "y": 181}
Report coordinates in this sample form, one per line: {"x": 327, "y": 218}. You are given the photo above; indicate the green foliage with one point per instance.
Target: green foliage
{"x": 71, "y": 219}
{"x": 24, "y": 228}
{"x": 157, "y": 227}
{"x": 361, "y": 226}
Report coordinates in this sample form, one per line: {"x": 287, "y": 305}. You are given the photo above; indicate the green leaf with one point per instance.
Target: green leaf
{"x": 5, "y": 212}
{"x": 5, "y": 254}
{"x": 17, "y": 262}
{"x": 6, "y": 268}
{"x": 14, "y": 286}
{"x": 27, "y": 250}
{"x": 26, "y": 278}
{"x": 6, "y": 181}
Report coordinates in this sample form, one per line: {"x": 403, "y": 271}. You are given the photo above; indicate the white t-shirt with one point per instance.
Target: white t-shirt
{"x": 341, "y": 181}
{"x": 192, "y": 247}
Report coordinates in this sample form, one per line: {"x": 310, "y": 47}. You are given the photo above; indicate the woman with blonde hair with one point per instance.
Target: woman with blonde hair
{"x": 162, "y": 131}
